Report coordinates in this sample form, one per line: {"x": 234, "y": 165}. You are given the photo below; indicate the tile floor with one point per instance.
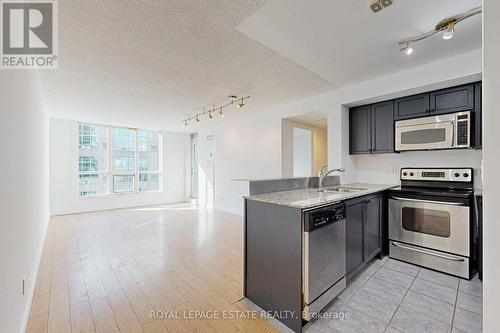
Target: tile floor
{"x": 393, "y": 296}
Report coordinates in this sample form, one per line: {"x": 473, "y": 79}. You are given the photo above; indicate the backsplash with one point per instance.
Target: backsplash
{"x": 384, "y": 168}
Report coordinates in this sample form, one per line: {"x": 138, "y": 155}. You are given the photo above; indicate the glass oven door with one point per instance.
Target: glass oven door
{"x": 433, "y": 224}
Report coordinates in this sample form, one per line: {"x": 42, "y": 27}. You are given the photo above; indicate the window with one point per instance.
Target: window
{"x": 132, "y": 164}
{"x": 92, "y": 161}
{"x": 149, "y": 162}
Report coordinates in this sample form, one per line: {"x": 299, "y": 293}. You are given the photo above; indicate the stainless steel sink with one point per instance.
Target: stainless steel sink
{"x": 342, "y": 189}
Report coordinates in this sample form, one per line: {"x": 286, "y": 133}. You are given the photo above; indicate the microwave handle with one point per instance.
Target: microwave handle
{"x": 429, "y": 201}
{"x": 453, "y": 132}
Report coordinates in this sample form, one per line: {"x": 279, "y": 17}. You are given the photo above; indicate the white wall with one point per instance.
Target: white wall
{"x": 249, "y": 143}
{"x": 384, "y": 168}
{"x": 24, "y": 198}
{"x": 64, "y": 194}
{"x": 491, "y": 140}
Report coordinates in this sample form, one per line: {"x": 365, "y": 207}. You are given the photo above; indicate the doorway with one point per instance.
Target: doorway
{"x": 302, "y": 152}
{"x": 194, "y": 166}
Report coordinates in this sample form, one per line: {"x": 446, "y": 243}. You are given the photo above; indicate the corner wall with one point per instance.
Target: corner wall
{"x": 64, "y": 194}
{"x": 491, "y": 139}
{"x": 24, "y": 208}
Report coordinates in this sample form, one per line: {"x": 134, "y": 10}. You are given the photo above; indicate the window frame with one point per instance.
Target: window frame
{"x": 111, "y": 173}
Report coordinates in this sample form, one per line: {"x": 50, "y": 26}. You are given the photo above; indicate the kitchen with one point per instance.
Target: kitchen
{"x": 324, "y": 236}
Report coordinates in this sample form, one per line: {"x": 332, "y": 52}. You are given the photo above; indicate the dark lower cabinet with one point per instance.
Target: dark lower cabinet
{"x": 373, "y": 227}
{"x": 364, "y": 226}
{"x": 354, "y": 235}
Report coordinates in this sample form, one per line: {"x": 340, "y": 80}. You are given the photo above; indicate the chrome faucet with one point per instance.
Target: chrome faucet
{"x": 322, "y": 175}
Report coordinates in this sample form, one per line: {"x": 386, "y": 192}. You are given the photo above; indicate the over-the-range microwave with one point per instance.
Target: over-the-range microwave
{"x": 447, "y": 131}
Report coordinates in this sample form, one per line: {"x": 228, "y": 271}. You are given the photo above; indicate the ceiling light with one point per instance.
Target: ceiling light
{"x": 446, "y": 26}
{"x": 406, "y": 49}
{"x": 377, "y": 5}
{"x": 239, "y": 101}
{"x": 448, "y": 32}
{"x": 240, "y": 104}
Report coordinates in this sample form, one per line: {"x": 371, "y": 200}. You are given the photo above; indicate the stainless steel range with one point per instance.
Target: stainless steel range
{"x": 430, "y": 221}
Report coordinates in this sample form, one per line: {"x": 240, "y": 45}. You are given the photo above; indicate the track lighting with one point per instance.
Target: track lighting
{"x": 377, "y": 5}
{"x": 448, "y": 32}
{"x": 240, "y": 104}
{"x": 447, "y": 26}
{"x": 406, "y": 49}
{"x": 239, "y": 101}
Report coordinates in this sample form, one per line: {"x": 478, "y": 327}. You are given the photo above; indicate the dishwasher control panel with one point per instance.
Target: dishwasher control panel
{"x": 323, "y": 216}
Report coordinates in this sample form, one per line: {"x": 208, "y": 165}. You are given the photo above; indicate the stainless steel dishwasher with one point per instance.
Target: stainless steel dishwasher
{"x": 323, "y": 274}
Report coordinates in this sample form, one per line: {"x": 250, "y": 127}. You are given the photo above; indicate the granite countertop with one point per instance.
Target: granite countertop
{"x": 311, "y": 197}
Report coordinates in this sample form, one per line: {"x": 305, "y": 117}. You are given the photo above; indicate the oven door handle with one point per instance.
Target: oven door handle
{"x": 431, "y": 253}
{"x": 429, "y": 201}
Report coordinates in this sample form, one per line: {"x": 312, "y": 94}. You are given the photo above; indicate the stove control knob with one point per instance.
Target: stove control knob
{"x": 466, "y": 175}
{"x": 405, "y": 173}
{"x": 457, "y": 174}
{"x": 412, "y": 174}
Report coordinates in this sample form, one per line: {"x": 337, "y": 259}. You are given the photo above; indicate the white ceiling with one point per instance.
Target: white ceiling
{"x": 150, "y": 63}
{"x": 314, "y": 119}
{"x": 345, "y": 43}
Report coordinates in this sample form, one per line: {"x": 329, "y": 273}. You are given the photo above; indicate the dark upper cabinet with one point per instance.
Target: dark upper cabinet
{"x": 360, "y": 130}
{"x": 382, "y": 118}
{"x": 452, "y": 100}
{"x": 412, "y": 106}
{"x": 354, "y": 236}
{"x": 478, "y": 117}
{"x": 371, "y": 129}
{"x": 364, "y": 221}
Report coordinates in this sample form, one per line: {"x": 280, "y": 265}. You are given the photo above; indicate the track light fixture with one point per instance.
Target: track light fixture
{"x": 233, "y": 100}
{"x": 448, "y": 32}
{"x": 406, "y": 49}
{"x": 377, "y": 5}
{"x": 446, "y": 26}
{"x": 240, "y": 104}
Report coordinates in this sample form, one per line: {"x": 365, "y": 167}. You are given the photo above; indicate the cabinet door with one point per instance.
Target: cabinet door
{"x": 411, "y": 106}
{"x": 354, "y": 236}
{"x": 478, "y": 108}
{"x": 360, "y": 130}
{"x": 382, "y": 117}
{"x": 451, "y": 100}
{"x": 373, "y": 227}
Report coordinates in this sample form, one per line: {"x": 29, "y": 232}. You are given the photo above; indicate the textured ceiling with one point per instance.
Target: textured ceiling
{"x": 150, "y": 63}
{"x": 345, "y": 43}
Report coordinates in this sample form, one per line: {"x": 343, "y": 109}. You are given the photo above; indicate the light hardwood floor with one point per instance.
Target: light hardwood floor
{"x": 106, "y": 271}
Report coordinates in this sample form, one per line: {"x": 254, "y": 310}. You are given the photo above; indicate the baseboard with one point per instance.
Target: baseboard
{"x": 31, "y": 293}
{"x": 80, "y": 211}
